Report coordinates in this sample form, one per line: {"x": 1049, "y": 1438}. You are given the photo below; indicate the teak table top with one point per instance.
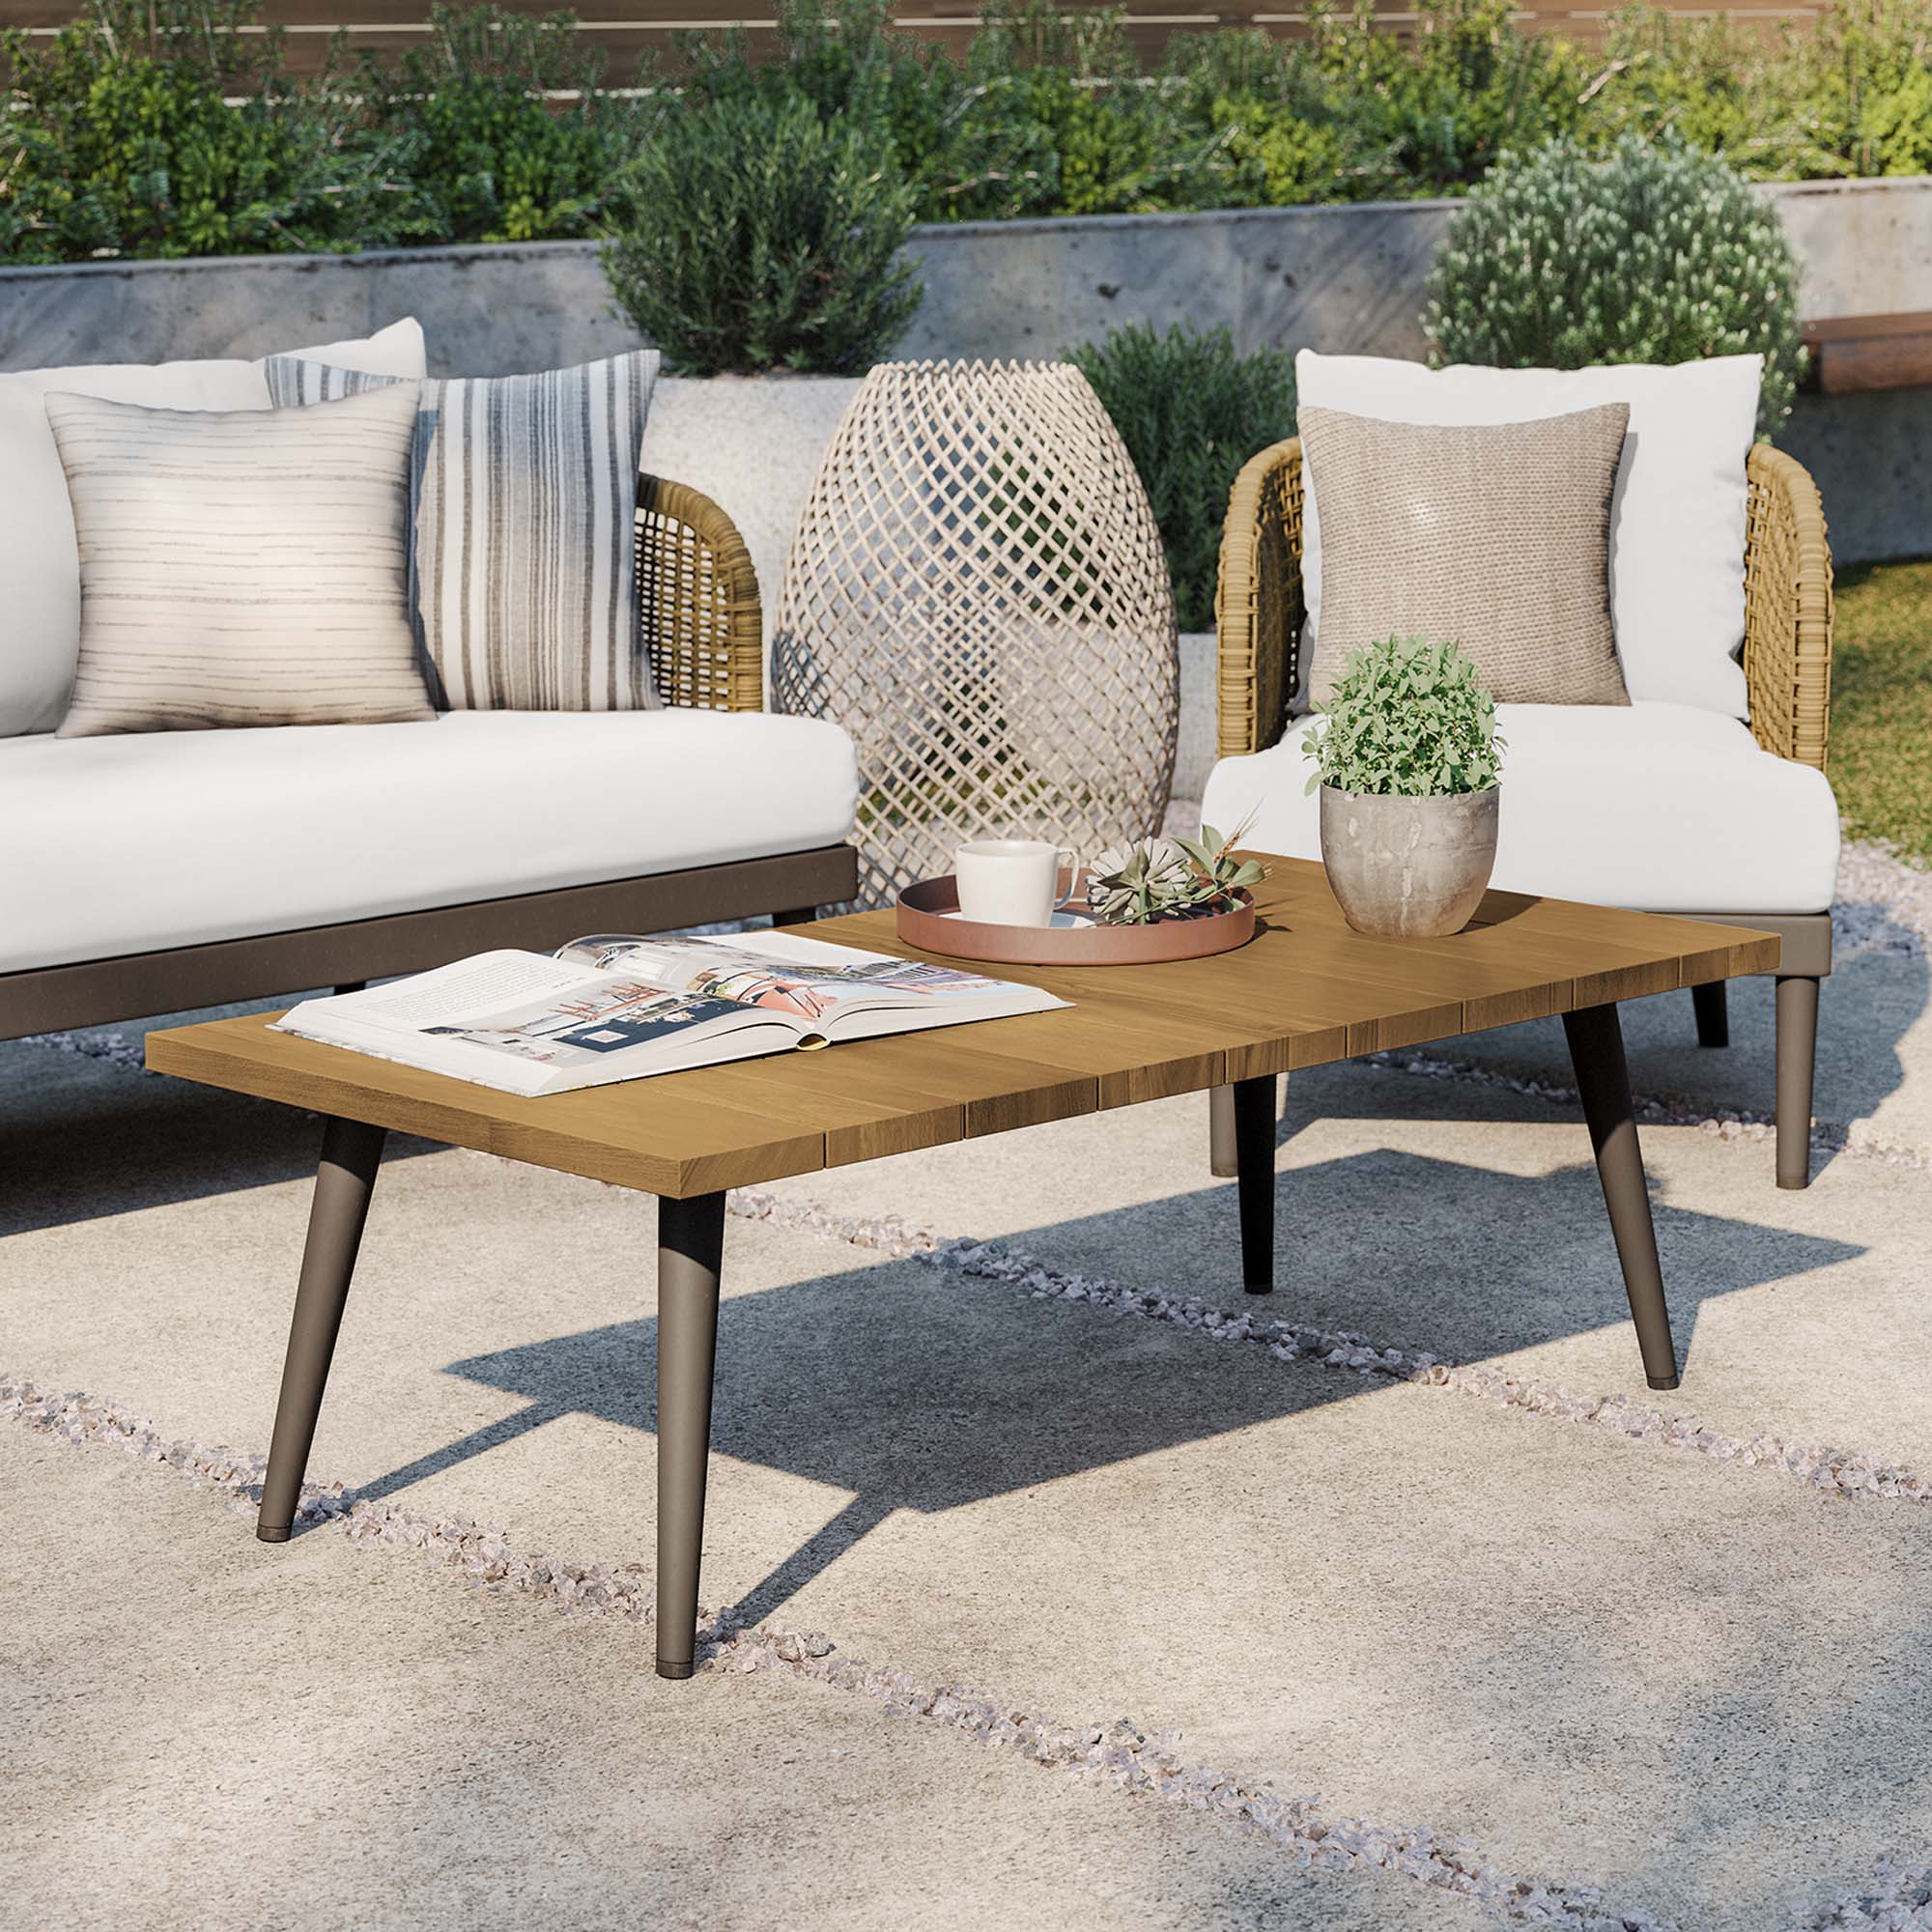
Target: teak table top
{"x": 1305, "y": 991}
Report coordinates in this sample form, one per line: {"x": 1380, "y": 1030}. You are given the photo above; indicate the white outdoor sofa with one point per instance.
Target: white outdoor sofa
{"x": 154, "y": 872}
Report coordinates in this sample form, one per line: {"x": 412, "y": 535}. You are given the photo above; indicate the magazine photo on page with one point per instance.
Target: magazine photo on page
{"x": 622, "y": 1007}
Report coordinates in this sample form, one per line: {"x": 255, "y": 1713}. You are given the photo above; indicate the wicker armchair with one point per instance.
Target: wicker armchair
{"x": 698, "y": 616}
{"x": 1787, "y": 665}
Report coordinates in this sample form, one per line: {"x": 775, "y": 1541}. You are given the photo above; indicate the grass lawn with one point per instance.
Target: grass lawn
{"x": 1880, "y": 757}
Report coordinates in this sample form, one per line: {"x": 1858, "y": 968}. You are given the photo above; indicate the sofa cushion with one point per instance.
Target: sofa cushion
{"x": 239, "y": 569}
{"x": 1666, "y": 808}
{"x": 525, "y": 500}
{"x": 40, "y": 577}
{"x": 171, "y": 839}
{"x": 1677, "y": 523}
{"x": 1493, "y": 536}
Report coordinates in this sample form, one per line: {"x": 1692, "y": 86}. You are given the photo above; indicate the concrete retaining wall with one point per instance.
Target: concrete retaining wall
{"x": 1328, "y": 278}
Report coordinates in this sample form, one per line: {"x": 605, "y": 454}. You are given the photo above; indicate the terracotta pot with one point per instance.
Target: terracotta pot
{"x": 1409, "y": 867}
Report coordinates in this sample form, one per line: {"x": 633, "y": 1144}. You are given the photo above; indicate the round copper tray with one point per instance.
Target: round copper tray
{"x": 923, "y": 910}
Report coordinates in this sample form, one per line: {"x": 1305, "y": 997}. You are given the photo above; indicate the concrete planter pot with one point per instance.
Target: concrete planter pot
{"x": 1409, "y": 867}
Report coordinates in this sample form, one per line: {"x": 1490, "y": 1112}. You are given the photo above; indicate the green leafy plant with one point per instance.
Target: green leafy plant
{"x": 160, "y": 131}
{"x": 174, "y": 130}
{"x": 1654, "y": 254}
{"x": 763, "y": 237}
{"x": 1191, "y": 411}
{"x": 499, "y": 123}
{"x": 1170, "y": 878}
{"x": 1407, "y": 719}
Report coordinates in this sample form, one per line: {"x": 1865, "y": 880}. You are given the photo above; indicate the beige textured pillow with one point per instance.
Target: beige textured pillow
{"x": 1496, "y": 538}
{"x": 242, "y": 568}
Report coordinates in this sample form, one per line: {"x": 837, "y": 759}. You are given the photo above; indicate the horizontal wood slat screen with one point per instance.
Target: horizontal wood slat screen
{"x": 624, "y": 28}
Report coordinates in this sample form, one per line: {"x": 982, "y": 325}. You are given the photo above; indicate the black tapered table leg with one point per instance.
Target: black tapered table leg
{"x": 1602, "y": 1080}
{"x": 344, "y": 1180}
{"x": 691, "y": 1244}
{"x": 1254, "y": 1108}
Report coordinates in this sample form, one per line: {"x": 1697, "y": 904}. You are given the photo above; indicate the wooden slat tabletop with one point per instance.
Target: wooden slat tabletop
{"x": 1306, "y": 991}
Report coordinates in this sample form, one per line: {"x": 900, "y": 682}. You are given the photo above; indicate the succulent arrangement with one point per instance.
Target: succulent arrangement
{"x": 1170, "y": 879}
{"x": 1407, "y": 719}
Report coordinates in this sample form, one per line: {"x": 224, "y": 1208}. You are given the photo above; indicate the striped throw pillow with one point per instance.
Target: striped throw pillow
{"x": 525, "y": 494}
{"x": 241, "y": 567}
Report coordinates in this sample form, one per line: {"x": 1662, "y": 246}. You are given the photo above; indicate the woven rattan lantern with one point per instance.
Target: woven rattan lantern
{"x": 977, "y": 594}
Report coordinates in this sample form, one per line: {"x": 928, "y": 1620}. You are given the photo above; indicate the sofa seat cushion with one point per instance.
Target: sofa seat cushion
{"x": 1666, "y": 808}
{"x": 139, "y": 842}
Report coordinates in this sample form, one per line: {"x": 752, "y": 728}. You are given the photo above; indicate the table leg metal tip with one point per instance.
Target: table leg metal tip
{"x": 676, "y": 1672}
{"x": 1662, "y": 1381}
{"x": 1260, "y": 1287}
{"x": 268, "y": 1532}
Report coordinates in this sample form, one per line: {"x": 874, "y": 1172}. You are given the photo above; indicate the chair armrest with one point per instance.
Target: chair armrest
{"x": 699, "y": 622}
{"x": 1258, "y": 604}
{"x": 1787, "y": 609}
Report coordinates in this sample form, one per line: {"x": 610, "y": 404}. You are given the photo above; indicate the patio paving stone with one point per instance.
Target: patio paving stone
{"x": 1700, "y": 1685}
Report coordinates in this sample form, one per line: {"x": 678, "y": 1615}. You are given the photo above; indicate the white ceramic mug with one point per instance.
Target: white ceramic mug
{"x": 1012, "y": 881}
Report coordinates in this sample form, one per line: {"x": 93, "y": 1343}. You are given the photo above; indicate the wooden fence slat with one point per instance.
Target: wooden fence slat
{"x": 628, "y": 32}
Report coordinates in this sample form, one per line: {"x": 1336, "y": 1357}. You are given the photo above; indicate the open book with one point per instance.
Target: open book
{"x": 618, "y": 1007}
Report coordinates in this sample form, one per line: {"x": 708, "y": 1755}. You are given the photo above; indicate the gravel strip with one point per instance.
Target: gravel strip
{"x": 1898, "y": 1900}
{"x": 1666, "y": 1110}
{"x": 1884, "y": 903}
{"x": 1854, "y": 1476}
{"x": 1120, "y": 1753}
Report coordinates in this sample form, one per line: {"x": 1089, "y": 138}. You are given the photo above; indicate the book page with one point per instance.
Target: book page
{"x": 811, "y": 980}
{"x": 471, "y": 987}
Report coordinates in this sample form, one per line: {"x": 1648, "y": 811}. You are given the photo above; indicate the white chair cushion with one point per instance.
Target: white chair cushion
{"x": 40, "y": 576}
{"x": 1664, "y": 808}
{"x": 147, "y": 840}
{"x": 1677, "y": 520}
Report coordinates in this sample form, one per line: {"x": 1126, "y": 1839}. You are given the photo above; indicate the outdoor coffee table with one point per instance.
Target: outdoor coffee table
{"x": 1305, "y": 992}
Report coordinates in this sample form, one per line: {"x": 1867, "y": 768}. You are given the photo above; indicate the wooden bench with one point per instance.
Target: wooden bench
{"x": 1855, "y": 352}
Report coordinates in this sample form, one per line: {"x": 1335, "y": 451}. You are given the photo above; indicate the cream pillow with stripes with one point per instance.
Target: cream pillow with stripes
{"x": 241, "y": 567}
{"x": 524, "y": 565}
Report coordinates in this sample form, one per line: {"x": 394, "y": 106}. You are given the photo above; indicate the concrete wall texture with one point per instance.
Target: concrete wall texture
{"x": 1347, "y": 279}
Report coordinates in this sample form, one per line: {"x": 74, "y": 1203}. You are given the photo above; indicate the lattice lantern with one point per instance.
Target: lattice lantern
{"x": 976, "y": 593}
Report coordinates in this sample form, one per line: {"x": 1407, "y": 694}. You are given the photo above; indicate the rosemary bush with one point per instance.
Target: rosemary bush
{"x": 763, "y": 237}
{"x": 1657, "y": 254}
{"x": 1407, "y": 719}
{"x": 1191, "y": 412}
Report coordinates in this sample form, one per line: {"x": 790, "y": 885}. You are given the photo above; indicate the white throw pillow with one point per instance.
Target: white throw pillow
{"x": 1677, "y": 521}
{"x": 241, "y": 567}
{"x": 40, "y": 576}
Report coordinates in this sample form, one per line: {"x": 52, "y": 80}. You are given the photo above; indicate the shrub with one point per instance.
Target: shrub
{"x": 1655, "y": 254}
{"x": 1848, "y": 95}
{"x": 489, "y": 157}
{"x": 764, "y": 238}
{"x": 121, "y": 141}
{"x": 118, "y": 141}
{"x": 1191, "y": 412}
{"x": 1407, "y": 719}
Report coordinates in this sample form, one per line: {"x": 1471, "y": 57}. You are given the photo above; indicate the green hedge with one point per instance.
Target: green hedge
{"x": 119, "y": 141}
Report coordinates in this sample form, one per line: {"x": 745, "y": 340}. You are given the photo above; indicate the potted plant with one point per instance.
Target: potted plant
{"x": 1407, "y": 762}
